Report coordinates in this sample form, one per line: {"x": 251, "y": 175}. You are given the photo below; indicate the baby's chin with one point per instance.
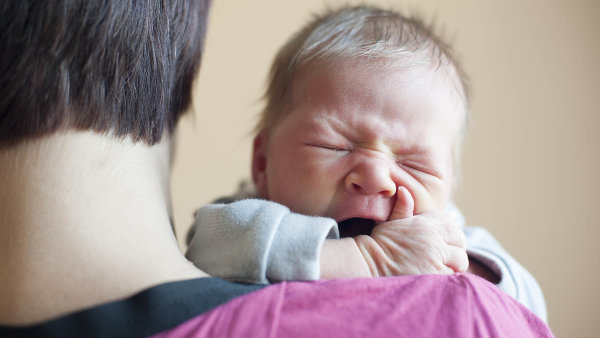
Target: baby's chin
{"x": 356, "y": 226}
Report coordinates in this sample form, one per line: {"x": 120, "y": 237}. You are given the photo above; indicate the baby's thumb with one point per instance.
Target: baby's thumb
{"x": 404, "y": 206}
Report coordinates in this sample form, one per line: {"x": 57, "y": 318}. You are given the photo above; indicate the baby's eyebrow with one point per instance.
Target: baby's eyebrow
{"x": 419, "y": 153}
{"x": 407, "y": 149}
{"x": 320, "y": 126}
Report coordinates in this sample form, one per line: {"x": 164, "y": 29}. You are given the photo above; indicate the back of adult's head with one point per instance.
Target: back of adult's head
{"x": 117, "y": 67}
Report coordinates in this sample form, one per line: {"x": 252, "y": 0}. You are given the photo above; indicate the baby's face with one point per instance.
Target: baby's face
{"x": 354, "y": 135}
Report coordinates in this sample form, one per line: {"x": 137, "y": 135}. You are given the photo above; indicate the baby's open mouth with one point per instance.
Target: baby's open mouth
{"x": 353, "y": 227}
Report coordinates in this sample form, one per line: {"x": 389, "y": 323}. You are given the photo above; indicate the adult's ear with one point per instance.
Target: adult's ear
{"x": 259, "y": 164}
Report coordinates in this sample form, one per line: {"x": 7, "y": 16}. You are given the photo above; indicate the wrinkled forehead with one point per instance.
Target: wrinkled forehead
{"x": 419, "y": 69}
{"x": 381, "y": 86}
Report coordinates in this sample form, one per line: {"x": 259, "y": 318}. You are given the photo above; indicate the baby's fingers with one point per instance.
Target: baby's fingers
{"x": 456, "y": 259}
{"x": 404, "y": 206}
{"x": 453, "y": 235}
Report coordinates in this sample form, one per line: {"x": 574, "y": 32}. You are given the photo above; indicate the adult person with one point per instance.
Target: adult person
{"x": 91, "y": 93}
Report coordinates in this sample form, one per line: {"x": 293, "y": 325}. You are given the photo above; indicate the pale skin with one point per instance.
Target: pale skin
{"x": 84, "y": 219}
{"x": 367, "y": 142}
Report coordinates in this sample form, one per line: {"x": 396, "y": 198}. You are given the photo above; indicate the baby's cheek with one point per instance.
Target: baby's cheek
{"x": 433, "y": 198}
{"x": 423, "y": 201}
{"x": 311, "y": 194}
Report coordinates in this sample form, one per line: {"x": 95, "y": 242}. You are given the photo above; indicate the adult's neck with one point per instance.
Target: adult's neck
{"x": 84, "y": 219}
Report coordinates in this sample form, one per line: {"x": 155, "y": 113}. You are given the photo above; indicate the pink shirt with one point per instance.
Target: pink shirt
{"x": 458, "y": 305}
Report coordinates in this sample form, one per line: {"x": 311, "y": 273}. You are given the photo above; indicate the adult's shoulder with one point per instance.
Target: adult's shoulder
{"x": 459, "y": 305}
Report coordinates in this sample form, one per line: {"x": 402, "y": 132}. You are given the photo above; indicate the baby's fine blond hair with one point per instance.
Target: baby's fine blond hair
{"x": 361, "y": 32}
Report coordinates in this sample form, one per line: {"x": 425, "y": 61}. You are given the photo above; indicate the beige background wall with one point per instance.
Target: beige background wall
{"x": 531, "y": 158}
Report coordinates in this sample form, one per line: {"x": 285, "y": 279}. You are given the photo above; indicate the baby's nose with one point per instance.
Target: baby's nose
{"x": 371, "y": 177}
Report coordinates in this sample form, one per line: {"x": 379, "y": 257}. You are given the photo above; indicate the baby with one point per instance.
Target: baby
{"x": 355, "y": 161}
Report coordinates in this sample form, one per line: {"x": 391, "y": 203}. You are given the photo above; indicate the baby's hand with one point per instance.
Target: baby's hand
{"x": 404, "y": 245}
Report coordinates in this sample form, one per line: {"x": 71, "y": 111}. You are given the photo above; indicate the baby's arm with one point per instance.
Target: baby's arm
{"x": 341, "y": 258}
{"x": 258, "y": 241}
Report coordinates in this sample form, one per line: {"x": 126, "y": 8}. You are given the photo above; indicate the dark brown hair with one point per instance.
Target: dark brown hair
{"x": 113, "y": 66}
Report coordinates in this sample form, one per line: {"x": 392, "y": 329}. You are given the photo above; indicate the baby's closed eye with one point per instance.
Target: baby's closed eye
{"x": 330, "y": 147}
{"x": 419, "y": 167}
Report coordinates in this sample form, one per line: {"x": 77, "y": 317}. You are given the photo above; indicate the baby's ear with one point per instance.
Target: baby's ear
{"x": 259, "y": 164}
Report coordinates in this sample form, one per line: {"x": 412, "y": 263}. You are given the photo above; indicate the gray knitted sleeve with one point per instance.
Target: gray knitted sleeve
{"x": 258, "y": 241}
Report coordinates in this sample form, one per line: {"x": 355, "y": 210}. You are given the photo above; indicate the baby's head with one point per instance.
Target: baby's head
{"x": 360, "y": 102}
